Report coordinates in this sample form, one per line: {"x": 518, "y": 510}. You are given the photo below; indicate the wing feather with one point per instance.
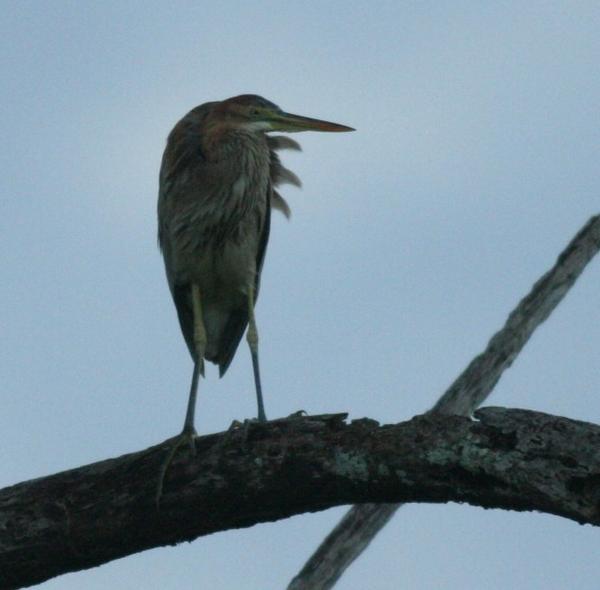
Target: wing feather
{"x": 238, "y": 320}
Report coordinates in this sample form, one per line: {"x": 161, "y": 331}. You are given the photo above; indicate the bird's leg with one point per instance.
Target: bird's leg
{"x": 188, "y": 433}
{"x": 252, "y": 337}
{"x": 200, "y": 348}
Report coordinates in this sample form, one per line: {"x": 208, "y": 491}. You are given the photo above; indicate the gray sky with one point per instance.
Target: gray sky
{"x": 474, "y": 162}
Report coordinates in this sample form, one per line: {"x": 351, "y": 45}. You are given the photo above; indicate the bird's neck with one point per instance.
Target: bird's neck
{"x": 222, "y": 141}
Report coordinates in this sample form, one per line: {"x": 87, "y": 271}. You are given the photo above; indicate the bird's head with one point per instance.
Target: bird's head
{"x": 254, "y": 113}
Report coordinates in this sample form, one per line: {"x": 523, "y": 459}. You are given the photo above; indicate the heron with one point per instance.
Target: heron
{"x": 217, "y": 186}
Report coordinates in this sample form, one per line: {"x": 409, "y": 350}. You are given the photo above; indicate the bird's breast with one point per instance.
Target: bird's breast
{"x": 217, "y": 230}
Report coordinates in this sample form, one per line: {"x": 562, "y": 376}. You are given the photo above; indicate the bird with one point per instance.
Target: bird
{"x": 217, "y": 186}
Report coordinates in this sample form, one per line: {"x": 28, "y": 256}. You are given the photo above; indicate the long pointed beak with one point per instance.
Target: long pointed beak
{"x": 281, "y": 121}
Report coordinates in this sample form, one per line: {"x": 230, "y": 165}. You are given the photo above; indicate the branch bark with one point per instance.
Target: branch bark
{"x": 359, "y": 526}
{"x": 512, "y": 459}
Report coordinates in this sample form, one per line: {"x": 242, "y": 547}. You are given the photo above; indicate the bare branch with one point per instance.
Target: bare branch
{"x": 87, "y": 516}
{"x": 478, "y": 380}
{"x": 360, "y": 524}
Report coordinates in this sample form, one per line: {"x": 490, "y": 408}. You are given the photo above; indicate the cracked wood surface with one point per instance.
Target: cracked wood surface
{"x": 512, "y": 459}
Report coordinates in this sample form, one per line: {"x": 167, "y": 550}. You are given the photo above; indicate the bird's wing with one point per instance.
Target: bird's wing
{"x": 238, "y": 320}
{"x": 182, "y": 153}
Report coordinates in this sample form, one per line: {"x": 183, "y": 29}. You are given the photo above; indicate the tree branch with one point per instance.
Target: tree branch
{"x": 512, "y": 459}
{"x": 361, "y": 523}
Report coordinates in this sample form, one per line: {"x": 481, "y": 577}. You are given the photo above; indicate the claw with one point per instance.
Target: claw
{"x": 186, "y": 437}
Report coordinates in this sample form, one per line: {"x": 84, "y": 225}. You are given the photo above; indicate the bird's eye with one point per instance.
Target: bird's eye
{"x": 255, "y": 112}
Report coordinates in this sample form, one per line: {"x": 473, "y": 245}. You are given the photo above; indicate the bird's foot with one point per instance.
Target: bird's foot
{"x": 244, "y": 428}
{"x": 186, "y": 437}
{"x": 235, "y": 425}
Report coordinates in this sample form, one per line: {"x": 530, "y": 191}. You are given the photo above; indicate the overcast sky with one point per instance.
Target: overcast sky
{"x": 475, "y": 161}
